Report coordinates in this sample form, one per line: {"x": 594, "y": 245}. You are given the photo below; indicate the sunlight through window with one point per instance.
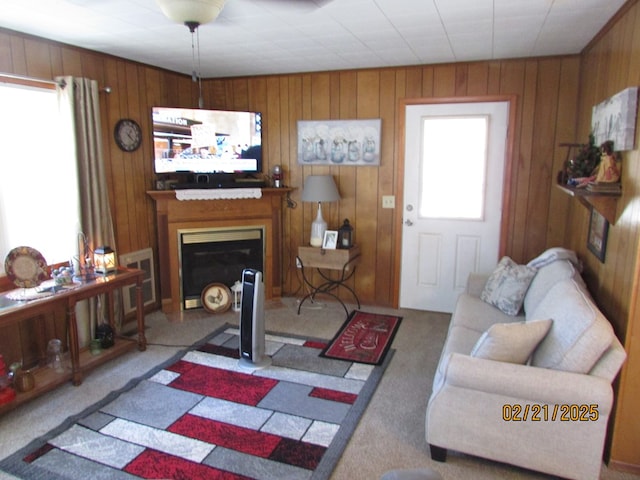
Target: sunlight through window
{"x": 38, "y": 180}
{"x": 454, "y": 158}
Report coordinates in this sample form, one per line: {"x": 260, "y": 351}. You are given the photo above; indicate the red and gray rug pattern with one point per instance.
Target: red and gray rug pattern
{"x": 203, "y": 416}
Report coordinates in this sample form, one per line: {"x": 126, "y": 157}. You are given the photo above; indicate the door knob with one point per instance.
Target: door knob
{"x": 408, "y": 223}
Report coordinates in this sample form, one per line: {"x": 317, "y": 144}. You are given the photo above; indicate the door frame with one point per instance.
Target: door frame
{"x": 399, "y": 188}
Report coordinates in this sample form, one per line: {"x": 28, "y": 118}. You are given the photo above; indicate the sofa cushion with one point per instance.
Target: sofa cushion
{"x": 459, "y": 340}
{"x": 507, "y": 286}
{"x": 579, "y": 335}
{"x": 544, "y": 280}
{"x": 474, "y": 314}
{"x": 511, "y": 342}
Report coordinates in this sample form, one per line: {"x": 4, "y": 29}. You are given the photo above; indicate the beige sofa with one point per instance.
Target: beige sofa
{"x": 532, "y": 389}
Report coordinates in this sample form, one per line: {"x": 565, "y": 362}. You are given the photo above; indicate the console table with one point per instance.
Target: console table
{"x": 341, "y": 260}
{"x": 14, "y": 311}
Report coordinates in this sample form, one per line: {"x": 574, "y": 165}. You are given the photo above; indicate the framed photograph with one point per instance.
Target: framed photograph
{"x": 339, "y": 142}
{"x": 330, "y": 240}
{"x": 597, "y": 238}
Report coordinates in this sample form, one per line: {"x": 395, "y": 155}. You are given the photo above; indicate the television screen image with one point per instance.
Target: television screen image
{"x": 206, "y": 141}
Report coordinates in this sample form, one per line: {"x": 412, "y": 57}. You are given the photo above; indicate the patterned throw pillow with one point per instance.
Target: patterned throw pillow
{"x": 511, "y": 342}
{"x": 507, "y": 286}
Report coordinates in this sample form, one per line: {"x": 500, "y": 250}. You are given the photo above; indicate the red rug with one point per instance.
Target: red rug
{"x": 364, "y": 338}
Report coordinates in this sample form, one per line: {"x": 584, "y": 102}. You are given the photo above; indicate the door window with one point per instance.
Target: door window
{"x": 453, "y": 167}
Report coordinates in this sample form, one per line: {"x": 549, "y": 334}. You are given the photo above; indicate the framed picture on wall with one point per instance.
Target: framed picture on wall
{"x": 597, "y": 238}
{"x": 339, "y": 142}
{"x": 615, "y": 119}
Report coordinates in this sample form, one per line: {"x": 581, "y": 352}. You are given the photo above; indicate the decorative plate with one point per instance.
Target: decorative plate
{"x": 216, "y": 298}
{"x": 26, "y": 267}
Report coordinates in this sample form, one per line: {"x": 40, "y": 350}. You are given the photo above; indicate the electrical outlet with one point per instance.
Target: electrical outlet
{"x": 388, "y": 201}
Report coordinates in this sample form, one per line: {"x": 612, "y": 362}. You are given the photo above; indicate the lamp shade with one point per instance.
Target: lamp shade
{"x": 193, "y": 11}
{"x": 320, "y": 188}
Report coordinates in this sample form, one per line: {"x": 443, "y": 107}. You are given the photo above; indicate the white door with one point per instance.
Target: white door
{"x": 454, "y": 164}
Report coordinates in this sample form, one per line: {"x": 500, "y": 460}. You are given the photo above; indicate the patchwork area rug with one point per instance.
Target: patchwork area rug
{"x": 364, "y": 337}
{"x": 201, "y": 416}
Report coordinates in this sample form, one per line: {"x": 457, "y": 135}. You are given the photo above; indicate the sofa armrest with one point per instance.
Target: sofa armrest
{"x": 476, "y": 283}
{"x": 532, "y": 384}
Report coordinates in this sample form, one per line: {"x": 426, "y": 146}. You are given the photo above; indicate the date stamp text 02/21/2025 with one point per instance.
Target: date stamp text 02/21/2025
{"x": 536, "y": 412}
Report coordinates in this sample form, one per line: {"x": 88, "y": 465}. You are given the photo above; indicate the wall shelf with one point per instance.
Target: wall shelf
{"x": 604, "y": 203}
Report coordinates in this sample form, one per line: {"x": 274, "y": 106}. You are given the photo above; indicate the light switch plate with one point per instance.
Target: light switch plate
{"x": 388, "y": 201}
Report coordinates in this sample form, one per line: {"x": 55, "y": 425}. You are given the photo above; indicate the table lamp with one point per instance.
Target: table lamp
{"x": 319, "y": 188}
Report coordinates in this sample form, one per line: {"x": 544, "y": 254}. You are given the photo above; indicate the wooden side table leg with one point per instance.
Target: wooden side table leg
{"x": 110, "y": 311}
{"x": 142, "y": 340}
{"x": 74, "y": 349}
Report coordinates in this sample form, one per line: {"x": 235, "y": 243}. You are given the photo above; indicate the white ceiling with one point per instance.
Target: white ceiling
{"x": 255, "y": 37}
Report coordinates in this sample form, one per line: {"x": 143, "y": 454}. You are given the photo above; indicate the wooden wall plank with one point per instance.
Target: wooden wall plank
{"x": 478, "y": 83}
{"x": 416, "y": 81}
{"x": 540, "y": 178}
{"x": 565, "y": 132}
{"x": 6, "y": 64}
{"x": 444, "y": 81}
{"x": 18, "y": 56}
{"x": 71, "y": 63}
{"x": 366, "y": 218}
{"x": 384, "y": 285}
{"x": 520, "y": 78}
{"x": 37, "y": 59}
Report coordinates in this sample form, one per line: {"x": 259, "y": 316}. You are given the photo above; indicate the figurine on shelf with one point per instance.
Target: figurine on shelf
{"x": 607, "y": 171}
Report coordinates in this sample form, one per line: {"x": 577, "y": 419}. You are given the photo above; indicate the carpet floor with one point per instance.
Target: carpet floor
{"x": 390, "y": 434}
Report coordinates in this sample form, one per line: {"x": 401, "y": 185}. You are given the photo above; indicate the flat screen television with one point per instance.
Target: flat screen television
{"x": 206, "y": 141}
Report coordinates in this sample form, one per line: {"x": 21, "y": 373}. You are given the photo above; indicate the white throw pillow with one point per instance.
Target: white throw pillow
{"x": 511, "y": 342}
{"x": 507, "y": 286}
{"x": 555, "y": 253}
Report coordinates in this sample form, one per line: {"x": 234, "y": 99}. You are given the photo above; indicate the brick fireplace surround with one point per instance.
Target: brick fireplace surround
{"x": 173, "y": 215}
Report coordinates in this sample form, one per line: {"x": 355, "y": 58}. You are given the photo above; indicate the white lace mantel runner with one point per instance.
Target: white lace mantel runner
{"x": 218, "y": 193}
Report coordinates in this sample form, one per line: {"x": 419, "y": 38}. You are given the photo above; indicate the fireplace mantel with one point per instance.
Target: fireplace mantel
{"x": 173, "y": 215}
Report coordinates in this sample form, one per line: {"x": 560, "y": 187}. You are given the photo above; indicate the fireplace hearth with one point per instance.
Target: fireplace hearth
{"x": 216, "y": 255}
{"x": 174, "y": 215}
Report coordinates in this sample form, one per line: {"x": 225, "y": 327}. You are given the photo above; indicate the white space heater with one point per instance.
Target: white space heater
{"x": 252, "y": 340}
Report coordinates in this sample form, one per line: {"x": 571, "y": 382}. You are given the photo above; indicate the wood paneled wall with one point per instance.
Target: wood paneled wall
{"x": 610, "y": 64}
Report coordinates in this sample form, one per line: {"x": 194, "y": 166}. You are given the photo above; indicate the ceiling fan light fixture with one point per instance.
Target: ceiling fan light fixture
{"x": 191, "y": 11}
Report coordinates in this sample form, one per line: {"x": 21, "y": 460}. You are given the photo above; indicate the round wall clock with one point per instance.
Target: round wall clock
{"x": 128, "y": 134}
{"x": 216, "y": 298}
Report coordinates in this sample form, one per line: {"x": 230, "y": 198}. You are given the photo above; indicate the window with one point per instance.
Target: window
{"x": 39, "y": 204}
{"x": 454, "y": 152}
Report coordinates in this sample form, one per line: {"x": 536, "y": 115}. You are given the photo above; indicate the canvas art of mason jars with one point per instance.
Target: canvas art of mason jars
{"x": 339, "y": 142}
